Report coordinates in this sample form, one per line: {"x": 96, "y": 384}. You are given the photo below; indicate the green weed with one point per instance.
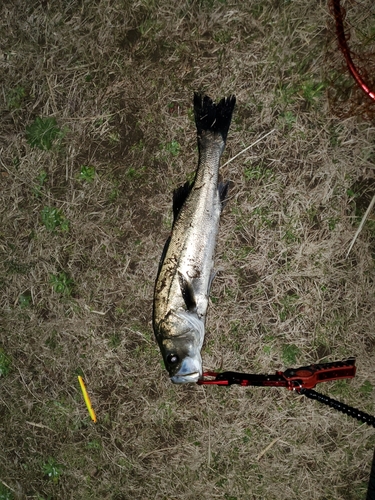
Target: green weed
{"x": 16, "y": 162}
{"x": 15, "y": 267}
{"x": 5, "y": 363}
{"x": 221, "y": 482}
{"x": 263, "y": 216}
{"x": 114, "y": 137}
{"x": 341, "y": 388}
{"x": 94, "y": 445}
{"x": 149, "y": 27}
{"x": 248, "y": 436}
{"x": 113, "y": 195}
{"x": 267, "y": 349}
{"x": 52, "y": 340}
{"x": 62, "y": 283}
{"x": 243, "y": 252}
{"x": 222, "y": 36}
{"x": 257, "y": 172}
{"x": 359, "y": 490}
{"x": 366, "y": 388}
{"x": 138, "y": 146}
{"x": 286, "y": 94}
{"x": 172, "y": 148}
{"x": 172, "y": 106}
{"x": 334, "y": 135}
{"x": 40, "y": 181}
{"x": 290, "y": 236}
{"x": 53, "y": 218}
{"x": 268, "y": 343}
{"x": 25, "y": 300}
{"x": 15, "y": 97}
{"x": 115, "y": 340}
{"x": 312, "y": 91}
{"x": 309, "y": 90}
{"x": 87, "y": 173}
{"x": 288, "y": 118}
{"x": 190, "y": 114}
{"x": 214, "y": 299}
{"x": 351, "y": 193}
{"x": 5, "y": 493}
{"x": 134, "y": 173}
{"x": 99, "y": 122}
{"x": 332, "y": 223}
{"x": 167, "y": 220}
{"x": 190, "y": 177}
{"x": 289, "y": 354}
{"x": 52, "y": 470}
{"x": 43, "y": 132}
{"x": 288, "y": 307}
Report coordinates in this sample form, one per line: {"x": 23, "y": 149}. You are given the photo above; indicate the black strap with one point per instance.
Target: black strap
{"x": 337, "y": 405}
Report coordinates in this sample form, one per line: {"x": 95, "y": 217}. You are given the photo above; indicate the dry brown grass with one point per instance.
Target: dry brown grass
{"x": 118, "y": 77}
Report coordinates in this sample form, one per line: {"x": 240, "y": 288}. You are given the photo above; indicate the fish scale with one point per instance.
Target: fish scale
{"x": 186, "y": 267}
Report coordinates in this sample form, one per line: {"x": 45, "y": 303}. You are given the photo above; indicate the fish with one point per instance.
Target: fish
{"x": 185, "y": 272}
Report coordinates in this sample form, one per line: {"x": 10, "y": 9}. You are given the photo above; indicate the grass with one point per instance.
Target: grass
{"x": 53, "y": 219}
{"x": 42, "y": 132}
{"x": 62, "y": 283}
{"x": 5, "y": 363}
{"x": 52, "y": 470}
{"x": 5, "y": 493}
{"x": 87, "y": 173}
{"x": 97, "y": 132}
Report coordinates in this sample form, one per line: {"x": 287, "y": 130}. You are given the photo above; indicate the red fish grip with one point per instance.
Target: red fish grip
{"x": 305, "y": 377}
{"x": 301, "y": 380}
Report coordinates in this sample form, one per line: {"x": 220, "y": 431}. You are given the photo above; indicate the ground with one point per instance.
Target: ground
{"x": 96, "y": 132}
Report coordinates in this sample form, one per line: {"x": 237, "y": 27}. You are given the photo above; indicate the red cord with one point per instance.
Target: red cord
{"x": 345, "y": 49}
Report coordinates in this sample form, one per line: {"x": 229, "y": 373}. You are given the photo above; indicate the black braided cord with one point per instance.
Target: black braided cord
{"x": 337, "y": 405}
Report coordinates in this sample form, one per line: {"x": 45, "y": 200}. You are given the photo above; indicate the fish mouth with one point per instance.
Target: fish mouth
{"x": 185, "y": 379}
{"x": 189, "y": 371}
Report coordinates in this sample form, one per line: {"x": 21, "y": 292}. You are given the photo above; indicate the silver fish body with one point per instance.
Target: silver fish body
{"x": 186, "y": 267}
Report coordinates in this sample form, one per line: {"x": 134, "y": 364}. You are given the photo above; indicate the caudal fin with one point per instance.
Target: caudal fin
{"x": 213, "y": 117}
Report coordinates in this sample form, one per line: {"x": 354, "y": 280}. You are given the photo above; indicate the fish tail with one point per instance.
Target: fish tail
{"x": 213, "y": 117}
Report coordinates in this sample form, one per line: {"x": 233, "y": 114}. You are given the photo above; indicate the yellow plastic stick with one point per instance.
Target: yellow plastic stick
{"x": 86, "y": 398}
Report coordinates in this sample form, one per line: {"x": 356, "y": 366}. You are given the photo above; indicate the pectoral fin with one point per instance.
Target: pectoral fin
{"x": 187, "y": 292}
{"x": 223, "y": 191}
{"x": 164, "y": 253}
{"x": 179, "y": 197}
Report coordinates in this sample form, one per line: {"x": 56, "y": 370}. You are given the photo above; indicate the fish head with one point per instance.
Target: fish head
{"x": 180, "y": 343}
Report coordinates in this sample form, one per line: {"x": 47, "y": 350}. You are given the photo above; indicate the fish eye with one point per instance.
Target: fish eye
{"x": 172, "y": 359}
